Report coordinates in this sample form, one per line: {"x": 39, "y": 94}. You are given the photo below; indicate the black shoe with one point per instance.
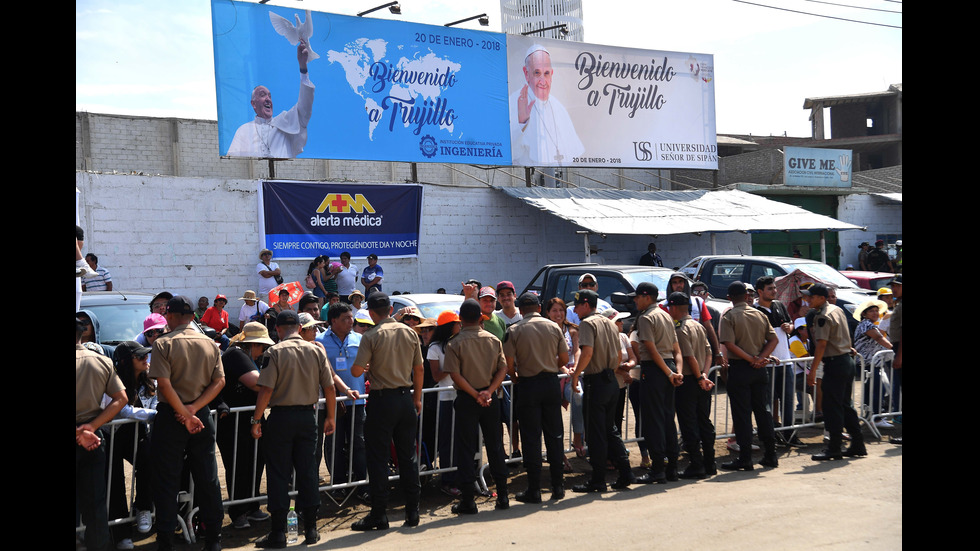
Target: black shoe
{"x": 781, "y": 441}
{"x": 827, "y": 455}
{"x": 737, "y": 465}
{"x": 651, "y": 478}
{"x": 213, "y": 546}
{"x": 165, "y": 542}
{"x": 275, "y": 540}
{"x": 896, "y": 440}
{"x": 558, "y": 492}
{"x": 855, "y": 450}
{"x": 671, "y": 473}
{"x": 710, "y": 468}
{"x": 693, "y": 473}
{"x": 770, "y": 461}
{"x": 371, "y": 522}
{"x": 312, "y": 536}
{"x": 465, "y": 508}
{"x": 411, "y": 518}
{"x": 589, "y": 488}
{"x": 796, "y": 442}
{"x": 503, "y": 502}
{"x": 624, "y": 481}
{"x": 363, "y": 495}
{"x": 530, "y": 496}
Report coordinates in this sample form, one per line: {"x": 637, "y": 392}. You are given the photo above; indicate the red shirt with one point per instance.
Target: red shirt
{"x": 215, "y": 319}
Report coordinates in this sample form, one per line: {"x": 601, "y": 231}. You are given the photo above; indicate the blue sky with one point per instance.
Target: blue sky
{"x": 153, "y": 58}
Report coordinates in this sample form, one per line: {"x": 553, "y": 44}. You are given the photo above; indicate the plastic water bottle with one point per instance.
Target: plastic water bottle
{"x": 292, "y": 526}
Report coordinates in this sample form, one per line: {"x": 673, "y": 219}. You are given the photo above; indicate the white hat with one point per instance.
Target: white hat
{"x": 535, "y": 48}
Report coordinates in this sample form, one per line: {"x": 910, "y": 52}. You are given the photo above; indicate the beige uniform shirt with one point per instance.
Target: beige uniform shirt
{"x": 895, "y": 329}
{"x": 476, "y": 354}
{"x": 297, "y": 370}
{"x": 747, "y": 328}
{"x": 94, "y": 377}
{"x": 534, "y": 343}
{"x": 694, "y": 344}
{"x": 656, "y": 326}
{"x": 189, "y": 359}
{"x": 602, "y": 335}
{"x": 830, "y": 324}
{"x": 391, "y": 349}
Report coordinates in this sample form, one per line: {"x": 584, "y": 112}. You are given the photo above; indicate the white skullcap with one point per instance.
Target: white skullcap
{"x": 535, "y": 48}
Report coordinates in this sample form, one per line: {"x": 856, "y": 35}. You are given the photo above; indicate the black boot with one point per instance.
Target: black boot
{"x": 309, "y": 526}
{"x": 165, "y": 541}
{"x": 503, "y": 501}
{"x": 276, "y": 539}
{"x": 411, "y": 513}
{"x": 376, "y": 520}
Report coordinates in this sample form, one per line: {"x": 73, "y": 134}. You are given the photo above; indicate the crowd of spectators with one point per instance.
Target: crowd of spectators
{"x": 666, "y": 356}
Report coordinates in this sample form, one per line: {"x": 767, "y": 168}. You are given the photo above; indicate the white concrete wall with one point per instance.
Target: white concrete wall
{"x": 881, "y": 216}
{"x": 199, "y": 236}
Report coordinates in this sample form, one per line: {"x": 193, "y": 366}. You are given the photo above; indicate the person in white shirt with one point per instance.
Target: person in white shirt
{"x": 545, "y": 133}
{"x": 267, "y": 270}
{"x": 252, "y": 307}
{"x": 347, "y": 277}
{"x": 283, "y": 136}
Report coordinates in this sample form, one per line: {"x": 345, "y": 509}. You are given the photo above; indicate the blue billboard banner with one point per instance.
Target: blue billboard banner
{"x": 295, "y": 83}
{"x": 300, "y": 220}
{"x": 809, "y": 166}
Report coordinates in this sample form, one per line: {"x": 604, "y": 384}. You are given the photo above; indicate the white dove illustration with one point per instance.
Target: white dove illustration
{"x": 294, "y": 33}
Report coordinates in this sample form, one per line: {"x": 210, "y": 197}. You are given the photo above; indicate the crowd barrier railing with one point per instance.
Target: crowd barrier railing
{"x": 793, "y": 397}
{"x": 881, "y": 387}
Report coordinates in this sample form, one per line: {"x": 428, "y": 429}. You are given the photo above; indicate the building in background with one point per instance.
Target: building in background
{"x": 524, "y": 16}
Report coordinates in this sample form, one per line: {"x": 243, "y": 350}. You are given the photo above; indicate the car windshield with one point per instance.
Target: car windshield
{"x": 119, "y": 322}
{"x": 879, "y": 282}
{"x": 433, "y": 309}
{"x": 823, "y": 272}
{"x": 660, "y": 278}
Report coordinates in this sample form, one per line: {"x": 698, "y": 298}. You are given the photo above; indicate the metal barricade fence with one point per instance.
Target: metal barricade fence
{"x": 792, "y": 397}
{"x": 881, "y": 387}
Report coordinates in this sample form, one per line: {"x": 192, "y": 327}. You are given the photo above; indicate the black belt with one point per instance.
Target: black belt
{"x": 389, "y": 391}
{"x": 542, "y": 375}
{"x": 837, "y": 357}
{"x": 293, "y": 408}
{"x": 607, "y": 374}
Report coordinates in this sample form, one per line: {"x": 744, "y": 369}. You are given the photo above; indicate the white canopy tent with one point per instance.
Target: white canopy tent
{"x": 654, "y": 213}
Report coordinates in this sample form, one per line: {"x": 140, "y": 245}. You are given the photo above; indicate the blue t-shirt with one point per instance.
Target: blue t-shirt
{"x": 341, "y": 354}
{"x": 371, "y": 272}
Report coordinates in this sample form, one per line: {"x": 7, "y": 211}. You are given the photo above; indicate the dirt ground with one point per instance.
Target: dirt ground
{"x": 803, "y": 503}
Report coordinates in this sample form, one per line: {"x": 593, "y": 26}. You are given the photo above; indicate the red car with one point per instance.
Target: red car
{"x": 869, "y": 280}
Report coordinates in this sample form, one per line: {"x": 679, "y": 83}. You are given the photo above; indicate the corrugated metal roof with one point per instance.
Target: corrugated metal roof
{"x": 893, "y": 197}
{"x": 626, "y": 212}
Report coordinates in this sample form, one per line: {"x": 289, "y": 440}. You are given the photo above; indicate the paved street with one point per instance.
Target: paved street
{"x": 803, "y": 504}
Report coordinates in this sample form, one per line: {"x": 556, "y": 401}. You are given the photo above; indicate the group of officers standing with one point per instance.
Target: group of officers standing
{"x": 674, "y": 353}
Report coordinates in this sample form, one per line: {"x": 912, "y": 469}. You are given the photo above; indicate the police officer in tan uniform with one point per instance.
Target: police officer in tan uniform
{"x": 693, "y": 399}
{"x": 289, "y": 385}
{"x": 187, "y": 367}
{"x": 832, "y": 346}
{"x": 750, "y": 340}
{"x": 536, "y": 351}
{"x": 475, "y": 361}
{"x": 598, "y": 339}
{"x": 658, "y": 378}
{"x": 94, "y": 377}
{"x": 391, "y": 355}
